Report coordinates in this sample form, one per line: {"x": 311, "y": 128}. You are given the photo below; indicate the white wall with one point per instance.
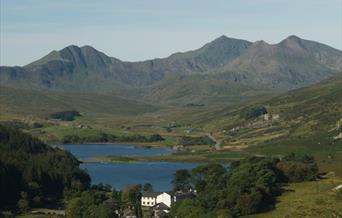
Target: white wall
{"x": 148, "y": 201}
{"x": 164, "y": 198}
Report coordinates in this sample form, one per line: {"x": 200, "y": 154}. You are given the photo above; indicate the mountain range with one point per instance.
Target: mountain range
{"x": 225, "y": 70}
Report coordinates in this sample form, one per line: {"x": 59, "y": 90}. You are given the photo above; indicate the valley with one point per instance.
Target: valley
{"x": 229, "y": 102}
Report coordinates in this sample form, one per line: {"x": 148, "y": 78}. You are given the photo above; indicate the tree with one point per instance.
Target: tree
{"x": 66, "y": 115}
{"x": 90, "y": 205}
{"x": 254, "y": 112}
{"x": 74, "y": 208}
{"x": 251, "y": 185}
{"x": 147, "y": 187}
{"x": 182, "y": 181}
{"x": 187, "y": 208}
{"x": 298, "y": 168}
{"x": 205, "y": 176}
{"x": 156, "y": 137}
{"x": 131, "y": 197}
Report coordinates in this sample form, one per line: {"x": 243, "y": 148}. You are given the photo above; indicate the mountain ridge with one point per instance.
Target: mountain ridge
{"x": 291, "y": 63}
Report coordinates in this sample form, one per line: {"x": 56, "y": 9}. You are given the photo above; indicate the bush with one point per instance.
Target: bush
{"x": 201, "y": 140}
{"x": 254, "y": 112}
{"x": 66, "y": 115}
{"x": 90, "y": 204}
{"x": 298, "y": 168}
{"x": 156, "y": 138}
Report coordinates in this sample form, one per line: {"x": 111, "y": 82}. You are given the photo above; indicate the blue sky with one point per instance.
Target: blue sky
{"x": 144, "y": 29}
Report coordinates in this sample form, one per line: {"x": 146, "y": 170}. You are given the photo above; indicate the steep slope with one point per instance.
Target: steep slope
{"x": 225, "y": 70}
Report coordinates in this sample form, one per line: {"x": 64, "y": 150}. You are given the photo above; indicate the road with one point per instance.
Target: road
{"x": 217, "y": 142}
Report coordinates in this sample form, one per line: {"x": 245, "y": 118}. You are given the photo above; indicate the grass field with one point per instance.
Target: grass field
{"x": 307, "y": 199}
{"x": 18, "y": 102}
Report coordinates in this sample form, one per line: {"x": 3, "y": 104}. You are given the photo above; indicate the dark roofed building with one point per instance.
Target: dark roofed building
{"x": 149, "y": 199}
{"x": 160, "y": 209}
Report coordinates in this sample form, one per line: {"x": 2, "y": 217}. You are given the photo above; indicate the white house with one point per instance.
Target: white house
{"x": 164, "y": 198}
{"x": 150, "y": 199}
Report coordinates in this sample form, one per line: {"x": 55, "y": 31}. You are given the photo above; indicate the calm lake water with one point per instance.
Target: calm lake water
{"x": 159, "y": 174}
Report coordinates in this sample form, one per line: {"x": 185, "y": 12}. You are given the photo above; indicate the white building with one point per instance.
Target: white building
{"x": 150, "y": 199}
{"x": 164, "y": 198}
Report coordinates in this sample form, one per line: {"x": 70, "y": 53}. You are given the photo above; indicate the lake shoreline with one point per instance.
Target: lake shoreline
{"x": 120, "y": 164}
{"x": 146, "y": 145}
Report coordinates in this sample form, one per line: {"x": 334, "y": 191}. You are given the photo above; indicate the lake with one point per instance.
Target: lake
{"x": 159, "y": 174}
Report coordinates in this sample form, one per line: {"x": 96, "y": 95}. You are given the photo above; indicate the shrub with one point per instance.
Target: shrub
{"x": 66, "y": 115}
{"x": 156, "y": 138}
{"x": 298, "y": 168}
{"x": 201, "y": 140}
{"x": 90, "y": 204}
{"x": 254, "y": 112}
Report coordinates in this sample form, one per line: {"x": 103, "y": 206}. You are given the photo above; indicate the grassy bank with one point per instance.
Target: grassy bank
{"x": 308, "y": 199}
{"x": 190, "y": 157}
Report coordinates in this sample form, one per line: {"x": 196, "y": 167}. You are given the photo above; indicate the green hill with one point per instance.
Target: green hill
{"x": 19, "y": 102}
{"x": 303, "y": 120}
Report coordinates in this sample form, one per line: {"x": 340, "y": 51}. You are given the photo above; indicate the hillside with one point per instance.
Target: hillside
{"x": 33, "y": 174}
{"x": 225, "y": 70}
{"x": 303, "y": 120}
{"x": 20, "y": 103}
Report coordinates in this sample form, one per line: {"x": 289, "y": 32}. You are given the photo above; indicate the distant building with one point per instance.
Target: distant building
{"x": 160, "y": 202}
{"x": 149, "y": 199}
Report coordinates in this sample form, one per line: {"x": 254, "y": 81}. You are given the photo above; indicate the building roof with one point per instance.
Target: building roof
{"x": 151, "y": 194}
{"x": 180, "y": 196}
{"x": 161, "y": 206}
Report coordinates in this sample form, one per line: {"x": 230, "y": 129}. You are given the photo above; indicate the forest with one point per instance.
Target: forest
{"x": 33, "y": 174}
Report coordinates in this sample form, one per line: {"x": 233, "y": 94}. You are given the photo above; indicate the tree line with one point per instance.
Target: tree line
{"x": 33, "y": 174}
{"x": 66, "y": 115}
{"x": 109, "y": 138}
{"x": 199, "y": 140}
{"x": 107, "y": 202}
